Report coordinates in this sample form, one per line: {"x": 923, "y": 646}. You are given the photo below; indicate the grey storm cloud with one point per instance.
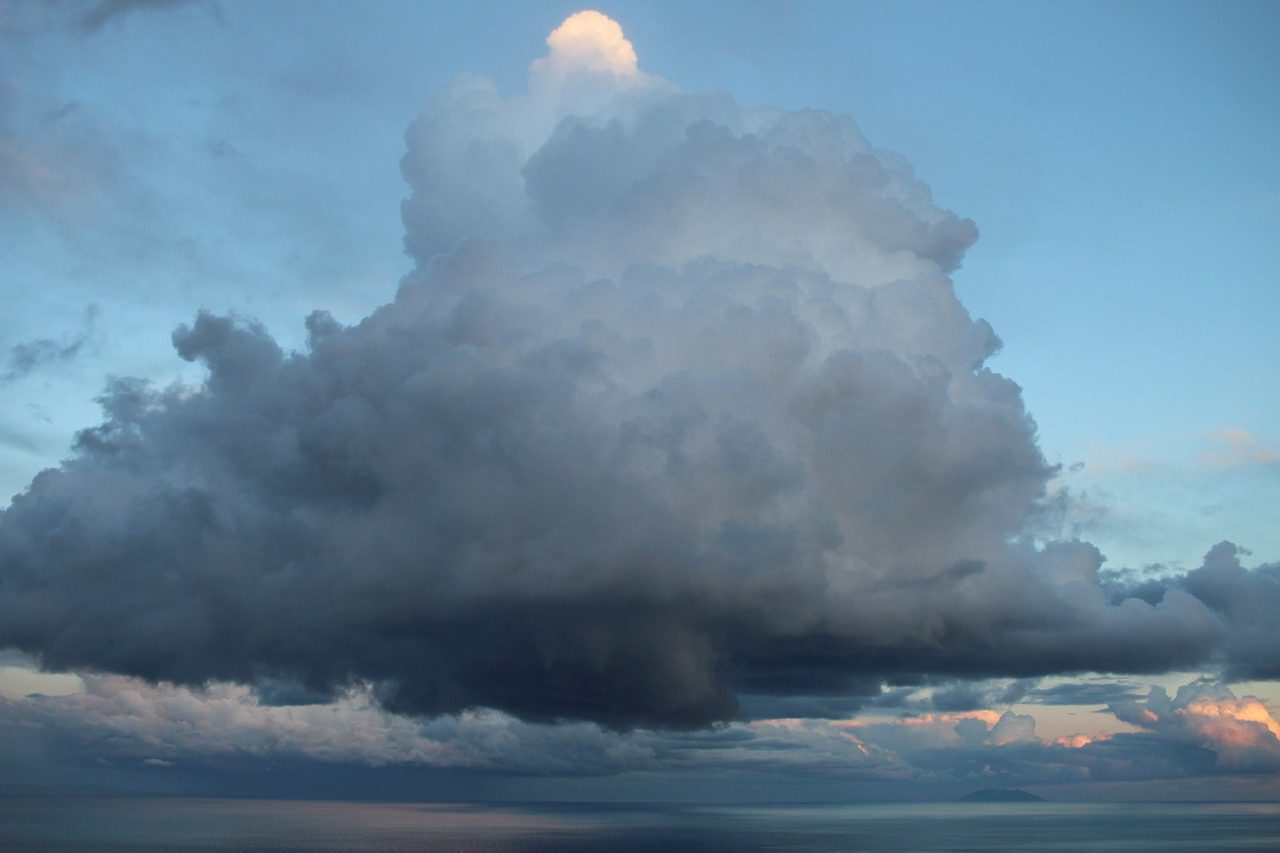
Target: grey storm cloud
{"x": 677, "y": 412}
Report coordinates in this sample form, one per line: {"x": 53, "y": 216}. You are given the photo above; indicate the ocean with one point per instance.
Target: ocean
{"x": 47, "y": 824}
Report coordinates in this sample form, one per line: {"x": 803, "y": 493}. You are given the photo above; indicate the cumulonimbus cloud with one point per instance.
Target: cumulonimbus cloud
{"x": 677, "y": 406}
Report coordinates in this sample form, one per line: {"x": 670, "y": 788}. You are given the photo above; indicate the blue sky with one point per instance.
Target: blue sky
{"x": 1118, "y": 160}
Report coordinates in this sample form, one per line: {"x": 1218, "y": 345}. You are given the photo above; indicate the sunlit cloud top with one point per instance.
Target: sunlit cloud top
{"x": 588, "y": 41}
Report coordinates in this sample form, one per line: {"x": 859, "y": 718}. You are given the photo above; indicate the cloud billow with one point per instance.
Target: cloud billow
{"x": 678, "y": 406}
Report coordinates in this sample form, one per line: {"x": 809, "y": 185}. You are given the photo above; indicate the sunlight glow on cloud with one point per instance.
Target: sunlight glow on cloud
{"x": 1234, "y": 446}
{"x": 589, "y": 41}
{"x": 1237, "y": 729}
{"x": 1241, "y": 733}
{"x": 1248, "y": 709}
{"x": 1080, "y": 741}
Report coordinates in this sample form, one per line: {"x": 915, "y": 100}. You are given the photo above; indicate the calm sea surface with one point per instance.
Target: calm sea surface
{"x": 174, "y": 824}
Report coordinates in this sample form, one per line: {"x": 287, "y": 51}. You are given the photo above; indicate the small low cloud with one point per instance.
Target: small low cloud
{"x": 1092, "y": 692}
{"x": 104, "y": 12}
{"x": 222, "y": 149}
{"x": 39, "y": 354}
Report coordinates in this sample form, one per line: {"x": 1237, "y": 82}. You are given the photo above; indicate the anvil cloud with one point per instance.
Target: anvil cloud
{"x": 677, "y": 415}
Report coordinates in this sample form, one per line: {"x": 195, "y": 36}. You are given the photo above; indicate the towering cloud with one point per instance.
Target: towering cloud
{"x": 678, "y": 406}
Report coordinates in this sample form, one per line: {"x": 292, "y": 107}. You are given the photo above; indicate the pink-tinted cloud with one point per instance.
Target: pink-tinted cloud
{"x": 1233, "y": 446}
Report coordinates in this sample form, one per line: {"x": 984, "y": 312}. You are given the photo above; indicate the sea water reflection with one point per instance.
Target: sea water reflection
{"x": 47, "y": 824}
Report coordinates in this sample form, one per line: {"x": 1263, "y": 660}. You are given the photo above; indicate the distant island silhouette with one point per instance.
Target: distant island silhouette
{"x": 1003, "y": 795}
